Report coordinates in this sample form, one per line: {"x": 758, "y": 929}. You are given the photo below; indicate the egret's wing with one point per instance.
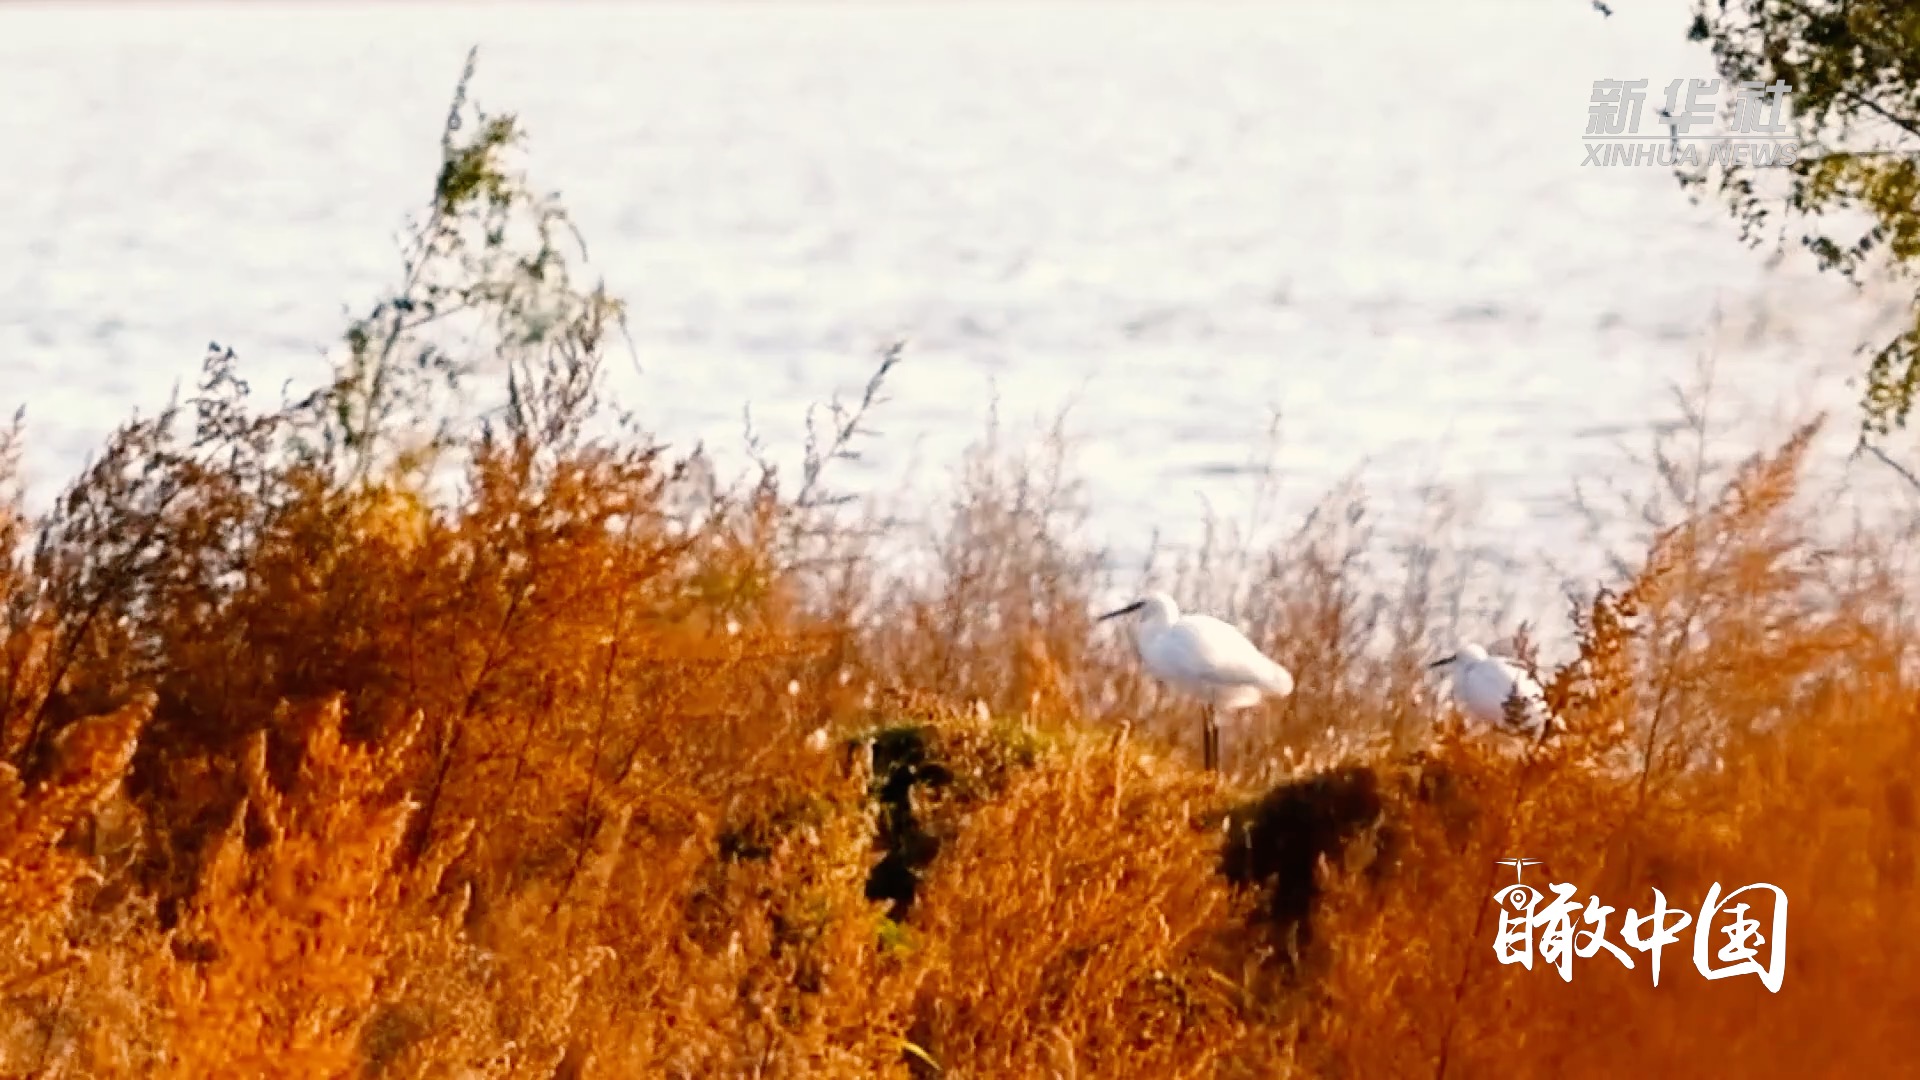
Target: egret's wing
{"x": 1472, "y": 690}
{"x": 1529, "y": 691}
{"x": 1205, "y": 650}
{"x": 1490, "y": 683}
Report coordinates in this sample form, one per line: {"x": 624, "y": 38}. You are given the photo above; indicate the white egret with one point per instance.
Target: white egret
{"x": 1498, "y": 692}
{"x": 1201, "y": 656}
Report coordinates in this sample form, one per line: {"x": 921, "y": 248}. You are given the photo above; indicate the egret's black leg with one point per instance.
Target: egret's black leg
{"x": 1211, "y": 736}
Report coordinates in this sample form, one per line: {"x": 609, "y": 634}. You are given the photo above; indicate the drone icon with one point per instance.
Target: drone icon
{"x": 1519, "y": 865}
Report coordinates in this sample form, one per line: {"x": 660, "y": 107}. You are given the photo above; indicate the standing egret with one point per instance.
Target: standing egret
{"x": 1498, "y": 692}
{"x": 1201, "y": 656}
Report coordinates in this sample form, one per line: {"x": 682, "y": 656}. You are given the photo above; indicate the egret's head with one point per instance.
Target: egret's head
{"x": 1468, "y": 654}
{"x": 1153, "y": 609}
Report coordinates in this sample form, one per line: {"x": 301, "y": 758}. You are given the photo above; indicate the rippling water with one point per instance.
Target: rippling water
{"x": 1371, "y": 217}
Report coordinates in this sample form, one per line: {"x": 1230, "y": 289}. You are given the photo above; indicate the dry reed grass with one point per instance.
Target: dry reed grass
{"x": 311, "y": 768}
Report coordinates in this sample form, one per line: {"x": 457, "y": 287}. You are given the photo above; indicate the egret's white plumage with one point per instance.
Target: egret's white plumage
{"x": 1201, "y": 656}
{"x": 1483, "y": 685}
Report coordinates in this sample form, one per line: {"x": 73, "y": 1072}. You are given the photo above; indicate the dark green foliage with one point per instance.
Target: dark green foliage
{"x": 1854, "y": 70}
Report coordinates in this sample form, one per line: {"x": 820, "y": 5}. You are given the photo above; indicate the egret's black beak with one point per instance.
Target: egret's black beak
{"x": 1443, "y": 662}
{"x": 1128, "y": 610}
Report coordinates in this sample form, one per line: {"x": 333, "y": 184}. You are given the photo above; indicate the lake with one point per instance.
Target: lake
{"x": 1372, "y": 218}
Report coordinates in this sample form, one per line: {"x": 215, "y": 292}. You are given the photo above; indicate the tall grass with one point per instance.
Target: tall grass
{"x": 439, "y": 723}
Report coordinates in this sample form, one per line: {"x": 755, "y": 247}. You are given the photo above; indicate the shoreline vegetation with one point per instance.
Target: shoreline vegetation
{"x": 583, "y": 764}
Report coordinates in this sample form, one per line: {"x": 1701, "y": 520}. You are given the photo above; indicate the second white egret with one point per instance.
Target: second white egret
{"x": 1498, "y": 692}
{"x": 1203, "y": 657}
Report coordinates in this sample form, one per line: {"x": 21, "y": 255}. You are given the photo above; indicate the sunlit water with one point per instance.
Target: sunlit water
{"x": 1372, "y": 218}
